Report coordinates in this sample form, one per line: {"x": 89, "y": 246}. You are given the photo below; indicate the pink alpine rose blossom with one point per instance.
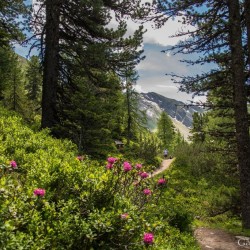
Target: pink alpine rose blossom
{"x": 162, "y": 182}
{"x": 112, "y": 160}
{"x": 80, "y": 158}
{"x": 124, "y": 216}
{"x": 13, "y": 164}
{"x": 148, "y": 238}
{"x": 147, "y": 191}
{"x": 138, "y": 166}
{"x": 39, "y": 192}
{"x": 109, "y": 166}
{"x": 144, "y": 175}
{"x": 126, "y": 166}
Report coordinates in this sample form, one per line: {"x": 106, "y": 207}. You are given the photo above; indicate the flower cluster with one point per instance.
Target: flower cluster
{"x": 162, "y": 182}
{"x": 124, "y": 216}
{"x": 111, "y": 161}
{"x": 13, "y": 164}
{"x": 144, "y": 175}
{"x": 39, "y": 192}
{"x": 148, "y": 238}
{"x": 80, "y": 158}
{"x": 138, "y": 166}
{"x": 126, "y": 166}
{"x": 147, "y": 191}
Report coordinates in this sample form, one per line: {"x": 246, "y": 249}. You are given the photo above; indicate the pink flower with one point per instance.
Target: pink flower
{"x": 144, "y": 175}
{"x": 109, "y": 166}
{"x": 162, "y": 182}
{"x": 148, "y": 238}
{"x": 147, "y": 191}
{"x": 112, "y": 160}
{"x": 138, "y": 166}
{"x": 13, "y": 164}
{"x": 80, "y": 157}
{"x": 126, "y": 166}
{"x": 124, "y": 216}
{"x": 39, "y": 192}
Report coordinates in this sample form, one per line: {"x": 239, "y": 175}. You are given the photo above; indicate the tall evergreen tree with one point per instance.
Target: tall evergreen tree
{"x": 10, "y": 13}
{"x": 165, "y": 130}
{"x": 14, "y": 93}
{"x": 76, "y": 31}
{"x": 89, "y": 115}
{"x": 34, "y": 80}
{"x": 6, "y": 63}
{"x": 135, "y": 119}
{"x": 218, "y": 36}
{"x": 240, "y": 106}
{"x": 198, "y": 127}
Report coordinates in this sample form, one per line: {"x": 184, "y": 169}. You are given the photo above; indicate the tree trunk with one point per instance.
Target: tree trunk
{"x": 240, "y": 108}
{"x": 247, "y": 18}
{"x": 50, "y": 71}
{"x": 129, "y": 113}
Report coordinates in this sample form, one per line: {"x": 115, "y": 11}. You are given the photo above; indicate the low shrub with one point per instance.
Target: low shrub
{"x": 53, "y": 199}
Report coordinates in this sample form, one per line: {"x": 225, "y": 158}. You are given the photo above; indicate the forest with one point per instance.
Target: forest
{"x": 76, "y": 155}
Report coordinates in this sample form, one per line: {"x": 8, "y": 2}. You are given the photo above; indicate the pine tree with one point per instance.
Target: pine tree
{"x": 198, "y": 127}
{"x": 135, "y": 119}
{"x": 218, "y": 35}
{"x": 76, "y": 36}
{"x": 89, "y": 116}
{"x": 14, "y": 93}
{"x": 9, "y": 24}
{"x": 34, "y": 81}
{"x": 165, "y": 130}
{"x": 5, "y": 68}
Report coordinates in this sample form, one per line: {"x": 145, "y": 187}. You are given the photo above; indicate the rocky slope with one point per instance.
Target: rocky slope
{"x": 175, "y": 109}
{"x": 153, "y": 104}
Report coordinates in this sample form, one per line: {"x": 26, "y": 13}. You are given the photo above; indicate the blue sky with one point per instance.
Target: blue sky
{"x": 152, "y": 70}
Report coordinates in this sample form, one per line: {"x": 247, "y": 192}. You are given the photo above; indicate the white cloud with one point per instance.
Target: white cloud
{"x": 152, "y": 73}
{"x": 162, "y": 36}
{"x": 167, "y": 86}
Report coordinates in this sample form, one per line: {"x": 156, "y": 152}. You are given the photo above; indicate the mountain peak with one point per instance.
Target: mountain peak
{"x": 175, "y": 109}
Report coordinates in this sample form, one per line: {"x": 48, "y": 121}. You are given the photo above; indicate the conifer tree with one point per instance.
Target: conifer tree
{"x": 34, "y": 80}
{"x": 89, "y": 115}
{"x": 77, "y": 31}
{"x": 218, "y": 35}
{"x": 14, "y": 93}
{"x": 198, "y": 127}
{"x": 5, "y": 68}
{"x": 10, "y": 29}
{"x": 165, "y": 130}
{"x": 135, "y": 119}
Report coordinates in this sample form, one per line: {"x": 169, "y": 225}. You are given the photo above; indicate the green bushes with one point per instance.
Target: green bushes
{"x": 208, "y": 189}
{"x": 86, "y": 205}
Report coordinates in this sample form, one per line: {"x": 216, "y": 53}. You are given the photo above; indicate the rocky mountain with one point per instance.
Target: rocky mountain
{"x": 154, "y": 104}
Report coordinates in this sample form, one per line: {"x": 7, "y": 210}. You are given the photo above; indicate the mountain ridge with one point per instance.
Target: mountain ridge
{"x": 180, "y": 113}
{"x": 175, "y": 109}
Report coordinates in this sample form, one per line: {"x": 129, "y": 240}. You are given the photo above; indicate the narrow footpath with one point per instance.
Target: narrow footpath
{"x": 164, "y": 165}
{"x": 216, "y": 239}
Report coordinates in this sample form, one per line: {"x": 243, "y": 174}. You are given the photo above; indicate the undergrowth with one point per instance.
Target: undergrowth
{"x": 51, "y": 198}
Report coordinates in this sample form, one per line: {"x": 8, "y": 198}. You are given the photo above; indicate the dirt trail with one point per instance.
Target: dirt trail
{"x": 164, "y": 165}
{"x": 216, "y": 239}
